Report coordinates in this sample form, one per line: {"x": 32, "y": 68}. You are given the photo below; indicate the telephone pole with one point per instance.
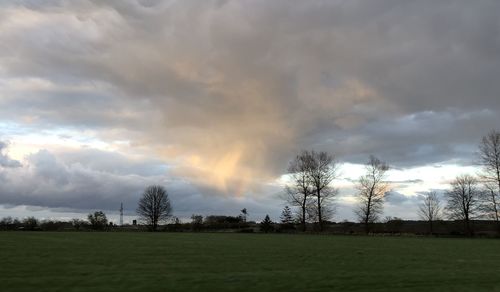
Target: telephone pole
{"x": 121, "y": 214}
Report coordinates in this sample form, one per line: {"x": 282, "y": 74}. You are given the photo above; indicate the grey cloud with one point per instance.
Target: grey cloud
{"x": 406, "y": 207}
{"x": 397, "y": 198}
{"x": 114, "y": 163}
{"x": 94, "y": 179}
{"x": 441, "y": 193}
{"x": 402, "y": 206}
{"x": 189, "y": 199}
{"x": 408, "y": 181}
{"x": 417, "y": 139}
{"x": 48, "y": 182}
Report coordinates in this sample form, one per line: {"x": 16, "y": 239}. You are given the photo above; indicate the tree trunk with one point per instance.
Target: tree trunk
{"x": 495, "y": 203}
{"x": 367, "y": 218}
{"x": 304, "y": 216}
{"x": 320, "y": 219}
{"x": 467, "y": 226}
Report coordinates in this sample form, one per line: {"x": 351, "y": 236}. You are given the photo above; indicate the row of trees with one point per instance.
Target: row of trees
{"x": 96, "y": 221}
{"x": 311, "y": 190}
{"x": 468, "y": 199}
{"x": 471, "y": 196}
{"x": 153, "y": 209}
{"x": 29, "y": 223}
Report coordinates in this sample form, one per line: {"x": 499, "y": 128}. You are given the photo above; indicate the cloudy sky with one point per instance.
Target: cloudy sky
{"x": 211, "y": 99}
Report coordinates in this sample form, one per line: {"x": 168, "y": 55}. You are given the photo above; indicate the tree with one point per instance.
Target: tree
{"x": 393, "y": 224}
{"x": 490, "y": 203}
{"x": 430, "y": 209}
{"x": 286, "y": 216}
{"x": 371, "y": 192}
{"x": 6, "y": 223}
{"x": 154, "y": 206}
{"x": 9, "y": 223}
{"x": 464, "y": 200}
{"x": 196, "y": 219}
{"x": 266, "y": 225}
{"x": 78, "y": 223}
{"x": 244, "y": 214}
{"x": 299, "y": 191}
{"x": 489, "y": 156}
{"x": 311, "y": 176}
{"x": 30, "y": 223}
{"x": 174, "y": 224}
{"x": 98, "y": 220}
{"x": 196, "y": 222}
{"x": 322, "y": 169}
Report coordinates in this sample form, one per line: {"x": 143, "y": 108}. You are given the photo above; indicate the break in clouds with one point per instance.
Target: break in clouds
{"x": 213, "y": 98}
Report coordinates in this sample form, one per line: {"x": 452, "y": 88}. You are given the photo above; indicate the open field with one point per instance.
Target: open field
{"x": 85, "y": 261}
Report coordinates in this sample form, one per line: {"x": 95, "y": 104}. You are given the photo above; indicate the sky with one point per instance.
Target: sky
{"x": 212, "y": 99}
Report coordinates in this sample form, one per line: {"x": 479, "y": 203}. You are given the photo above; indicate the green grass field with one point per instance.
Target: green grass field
{"x": 85, "y": 261}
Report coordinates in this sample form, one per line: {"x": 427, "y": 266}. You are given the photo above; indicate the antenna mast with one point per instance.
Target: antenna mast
{"x": 121, "y": 214}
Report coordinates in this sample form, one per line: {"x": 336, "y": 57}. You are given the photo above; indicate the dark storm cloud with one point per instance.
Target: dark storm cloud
{"x": 418, "y": 138}
{"x": 48, "y": 181}
{"x": 225, "y": 92}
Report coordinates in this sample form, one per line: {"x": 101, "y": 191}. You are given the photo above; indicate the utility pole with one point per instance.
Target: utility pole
{"x": 121, "y": 214}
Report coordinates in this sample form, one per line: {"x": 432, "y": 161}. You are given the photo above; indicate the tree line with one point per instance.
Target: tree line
{"x": 311, "y": 194}
{"x": 311, "y": 190}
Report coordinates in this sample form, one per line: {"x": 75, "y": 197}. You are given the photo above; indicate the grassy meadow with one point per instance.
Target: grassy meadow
{"x": 93, "y": 261}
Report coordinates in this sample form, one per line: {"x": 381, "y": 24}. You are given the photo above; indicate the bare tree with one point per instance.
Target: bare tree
{"x": 430, "y": 209}
{"x": 327, "y": 209}
{"x": 489, "y": 155}
{"x": 154, "y": 206}
{"x": 322, "y": 169}
{"x": 490, "y": 203}
{"x": 298, "y": 192}
{"x": 464, "y": 200}
{"x": 371, "y": 192}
